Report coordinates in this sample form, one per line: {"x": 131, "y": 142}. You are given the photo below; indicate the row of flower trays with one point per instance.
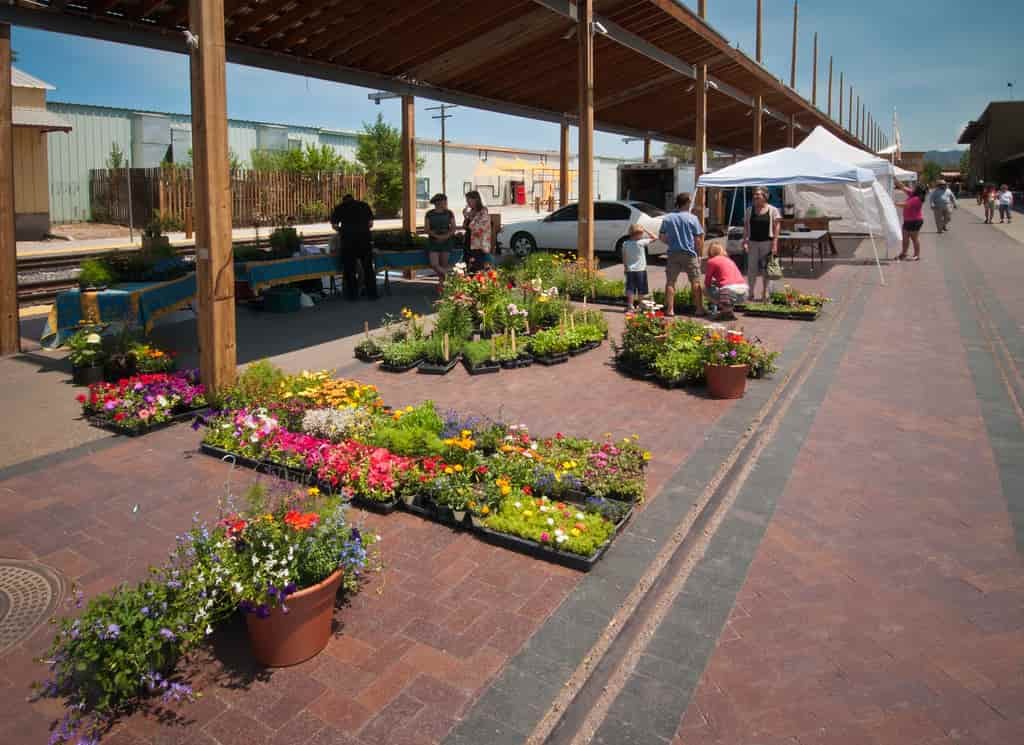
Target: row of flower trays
{"x": 142, "y": 403}
{"x": 560, "y": 498}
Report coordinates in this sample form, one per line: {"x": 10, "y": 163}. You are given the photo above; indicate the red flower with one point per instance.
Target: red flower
{"x": 81, "y": 398}
{"x": 235, "y": 525}
{"x": 301, "y": 520}
{"x": 120, "y": 416}
{"x": 659, "y": 314}
{"x": 559, "y": 436}
{"x": 527, "y": 490}
{"x": 481, "y": 469}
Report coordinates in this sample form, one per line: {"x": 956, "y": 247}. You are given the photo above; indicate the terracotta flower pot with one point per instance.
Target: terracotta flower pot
{"x": 727, "y": 381}
{"x": 285, "y": 639}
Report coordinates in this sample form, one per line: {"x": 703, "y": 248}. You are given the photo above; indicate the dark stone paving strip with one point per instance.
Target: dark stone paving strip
{"x": 49, "y": 460}
{"x": 1004, "y": 427}
{"x": 657, "y": 694}
{"x": 514, "y": 705}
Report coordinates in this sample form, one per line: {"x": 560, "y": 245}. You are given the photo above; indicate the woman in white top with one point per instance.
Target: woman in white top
{"x": 1005, "y": 200}
{"x": 761, "y": 226}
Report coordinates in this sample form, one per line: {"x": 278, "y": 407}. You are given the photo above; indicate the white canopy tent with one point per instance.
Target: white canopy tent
{"x": 806, "y": 172}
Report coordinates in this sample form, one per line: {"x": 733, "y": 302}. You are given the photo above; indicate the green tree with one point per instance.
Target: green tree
{"x": 116, "y": 159}
{"x": 965, "y": 164}
{"x": 309, "y": 159}
{"x": 379, "y": 152}
{"x": 931, "y": 172}
{"x": 682, "y": 152}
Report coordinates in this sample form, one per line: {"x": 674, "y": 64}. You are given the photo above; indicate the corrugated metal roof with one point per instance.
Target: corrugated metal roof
{"x": 23, "y": 116}
{"x": 21, "y": 79}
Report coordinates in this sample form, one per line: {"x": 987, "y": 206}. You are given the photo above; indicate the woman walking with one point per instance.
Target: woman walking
{"x": 913, "y": 220}
{"x": 477, "y": 224}
{"x": 1005, "y": 203}
{"x": 989, "y": 201}
{"x": 760, "y": 241}
{"x": 439, "y": 223}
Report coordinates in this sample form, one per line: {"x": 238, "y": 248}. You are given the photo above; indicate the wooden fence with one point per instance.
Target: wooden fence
{"x": 266, "y": 198}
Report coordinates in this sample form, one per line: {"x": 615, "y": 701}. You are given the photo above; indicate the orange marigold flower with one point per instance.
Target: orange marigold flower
{"x": 301, "y": 520}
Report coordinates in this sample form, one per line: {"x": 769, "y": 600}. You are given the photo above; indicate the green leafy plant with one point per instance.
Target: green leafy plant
{"x": 478, "y": 353}
{"x": 434, "y": 349}
{"x": 560, "y": 526}
{"x": 454, "y": 318}
{"x": 95, "y": 273}
{"x": 259, "y": 384}
{"x": 368, "y": 347}
{"x": 284, "y": 242}
{"x": 86, "y": 346}
{"x": 550, "y": 342}
{"x": 403, "y": 353}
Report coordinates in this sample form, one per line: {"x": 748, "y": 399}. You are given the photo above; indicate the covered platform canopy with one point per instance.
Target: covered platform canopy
{"x": 645, "y": 68}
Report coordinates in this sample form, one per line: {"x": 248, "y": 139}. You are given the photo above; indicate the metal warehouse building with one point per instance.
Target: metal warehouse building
{"x": 149, "y": 138}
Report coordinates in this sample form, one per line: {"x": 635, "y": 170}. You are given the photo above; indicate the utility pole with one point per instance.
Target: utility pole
{"x": 792, "y": 66}
{"x": 830, "y": 86}
{"x": 814, "y": 67}
{"x": 443, "y": 116}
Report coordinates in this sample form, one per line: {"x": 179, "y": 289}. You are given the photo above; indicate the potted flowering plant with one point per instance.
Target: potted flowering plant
{"x": 87, "y": 355}
{"x": 727, "y": 360}
{"x": 286, "y": 562}
{"x": 150, "y": 359}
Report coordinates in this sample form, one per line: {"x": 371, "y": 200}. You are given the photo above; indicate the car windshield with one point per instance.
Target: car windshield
{"x": 648, "y": 209}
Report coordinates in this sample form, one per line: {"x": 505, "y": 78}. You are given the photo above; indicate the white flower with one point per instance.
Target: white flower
{"x": 551, "y": 521}
{"x": 517, "y": 504}
{"x": 92, "y": 339}
{"x": 559, "y": 531}
{"x": 544, "y": 508}
{"x": 579, "y": 515}
{"x": 535, "y": 283}
{"x": 561, "y": 538}
{"x": 533, "y": 446}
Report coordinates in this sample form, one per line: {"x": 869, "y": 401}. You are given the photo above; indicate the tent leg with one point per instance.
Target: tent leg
{"x": 874, "y": 246}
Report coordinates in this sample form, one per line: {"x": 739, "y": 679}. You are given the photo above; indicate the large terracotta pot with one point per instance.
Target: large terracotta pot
{"x": 727, "y": 381}
{"x": 285, "y": 639}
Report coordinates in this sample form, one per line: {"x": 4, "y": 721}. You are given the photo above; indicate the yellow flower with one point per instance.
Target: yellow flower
{"x": 527, "y": 513}
{"x": 313, "y": 491}
{"x": 506, "y": 490}
{"x": 408, "y": 408}
{"x": 647, "y": 455}
{"x": 575, "y": 531}
{"x": 485, "y": 510}
{"x": 458, "y": 468}
{"x": 449, "y": 470}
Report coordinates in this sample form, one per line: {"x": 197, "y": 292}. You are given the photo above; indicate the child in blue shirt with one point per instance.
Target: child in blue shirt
{"x": 634, "y": 261}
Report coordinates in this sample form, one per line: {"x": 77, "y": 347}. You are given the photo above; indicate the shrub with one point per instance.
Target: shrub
{"x": 95, "y": 273}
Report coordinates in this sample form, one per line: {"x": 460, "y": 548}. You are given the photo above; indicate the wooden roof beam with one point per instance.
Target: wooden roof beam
{"x": 288, "y": 20}
{"x": 149, "y": 7}
{"x": 636, "y": 91}
{"x": 243, "y": 25}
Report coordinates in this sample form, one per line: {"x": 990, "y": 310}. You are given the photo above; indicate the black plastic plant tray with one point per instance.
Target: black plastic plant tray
{"x": 540, "y": 551}
{"x": 97, "y": 421}
{"x": 588, "y": 347}
{"x": 633, "y": 371}
{"x": 363, "y": 357}
{"x": 288, "y": 473}
{"x": 423, "y": 506}
{"x": 786, "y": 315}
{"x": 399, "y": 368}
{"x": 372, "y": 505}
{"x": 555, "y": 359}
{"x": 484, "y": 369}
{"x": 430, "y": 368}
{"x": 521, "y": 361}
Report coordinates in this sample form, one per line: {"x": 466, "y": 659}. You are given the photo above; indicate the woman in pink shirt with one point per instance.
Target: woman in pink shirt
{"x": 913, "y": 219}
{"x": 725, "y": 284}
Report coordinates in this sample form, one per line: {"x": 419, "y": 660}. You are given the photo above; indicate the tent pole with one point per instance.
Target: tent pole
{"x": 874, "y": 246}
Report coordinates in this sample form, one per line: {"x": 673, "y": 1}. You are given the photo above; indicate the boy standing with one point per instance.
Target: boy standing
{"x": 634, "y": 261}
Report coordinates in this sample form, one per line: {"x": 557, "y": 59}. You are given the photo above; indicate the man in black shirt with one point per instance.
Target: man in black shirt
{"x": 354, "y": 219}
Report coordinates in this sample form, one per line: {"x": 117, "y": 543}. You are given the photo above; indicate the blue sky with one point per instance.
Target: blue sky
{"x": 938, "y": 62}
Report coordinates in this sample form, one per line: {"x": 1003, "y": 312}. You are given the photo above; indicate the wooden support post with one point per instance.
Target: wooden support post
{"x": 215, "y": 271}
{"x": 408, "y": 164}
{"x": 647, "y": 149}
{"x": 792, "y": 64}
{"x": 857, "y": 122}
{"x": 10, "y": 330}
{"x": 849, "y": 114}
{"x": 585, "y": 35}
{"x": 830, "y": 86}
{"x": 700, "y": 140}
{"x": 758, "y": 113}
{"x": 563, "y": 166}
{"x": 792, "y": 130}
{"x": 814, "y": 73}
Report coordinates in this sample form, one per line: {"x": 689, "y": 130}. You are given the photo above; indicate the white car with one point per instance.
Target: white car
{"x": 558, "y": 231}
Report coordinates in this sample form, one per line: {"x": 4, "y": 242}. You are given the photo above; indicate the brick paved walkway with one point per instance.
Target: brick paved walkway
{"x": 883, "y": 605}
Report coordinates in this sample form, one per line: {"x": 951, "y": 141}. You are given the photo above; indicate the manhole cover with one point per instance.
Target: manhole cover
{"x": 29, "y": 593}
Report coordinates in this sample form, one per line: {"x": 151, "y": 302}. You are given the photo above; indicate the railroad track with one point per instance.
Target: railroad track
{"x": 34, "y": 291}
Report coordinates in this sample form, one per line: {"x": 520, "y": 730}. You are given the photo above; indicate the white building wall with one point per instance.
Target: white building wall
{"x": 490, "y": 172}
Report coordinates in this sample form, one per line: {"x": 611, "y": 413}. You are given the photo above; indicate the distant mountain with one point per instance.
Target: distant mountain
{"x": 945, "y": 158}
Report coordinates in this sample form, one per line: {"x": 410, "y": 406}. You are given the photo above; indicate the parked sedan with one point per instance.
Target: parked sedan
{"x": 558, "y": 231}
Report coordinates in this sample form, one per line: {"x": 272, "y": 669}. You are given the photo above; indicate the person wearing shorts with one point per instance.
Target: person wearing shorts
{"x": 681, "y": 231}
{"x": 913, "y": 220}
{"x": 634, "y": 262}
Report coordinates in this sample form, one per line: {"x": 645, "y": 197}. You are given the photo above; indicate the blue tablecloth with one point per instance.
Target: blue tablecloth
{"x": 263, "y": 274}
{"x": 414, "y": 259}
{"x": 136, "y": 303}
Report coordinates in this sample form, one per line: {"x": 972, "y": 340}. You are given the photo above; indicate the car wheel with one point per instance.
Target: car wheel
{"x": 618, "y": 248}
{"x": 523, "y": 244}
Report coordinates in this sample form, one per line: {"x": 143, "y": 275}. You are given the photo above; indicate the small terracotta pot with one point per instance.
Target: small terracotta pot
{"x": 285, "y": 639}
{"x": 727, "y": 381}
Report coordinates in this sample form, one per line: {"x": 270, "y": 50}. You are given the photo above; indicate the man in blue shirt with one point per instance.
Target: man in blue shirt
{"x": 682, "y": 233}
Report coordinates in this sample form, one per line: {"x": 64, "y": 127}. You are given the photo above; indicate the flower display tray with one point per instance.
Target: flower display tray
{"x": 523, "y": 360}
{"x": 268, "y": 467}
{"x": 633, "y": 370}
{"x": 425, "y": 507}
{"x": 364, "y": 357}
{"x": 484, "y": 369}
{"x": 430, "y": 368}
{"x": 399, "y": 368}
{"x": 614, "y": 301}
{"x": 372, "y": 505}
{"x": 589, "y": 346}
{"x": 540, "y": 551}
{"x": 554, "y": 359}
{"x": 789, "y": 315}
{"x": 103, "y": 423}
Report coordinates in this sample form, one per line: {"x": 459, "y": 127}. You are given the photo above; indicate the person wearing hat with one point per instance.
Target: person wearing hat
{"x": 439, "y": 223}
{"x": 943, "y": 202}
